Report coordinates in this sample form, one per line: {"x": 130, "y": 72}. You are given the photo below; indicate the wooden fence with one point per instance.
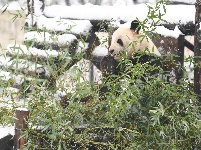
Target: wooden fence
{"x": 43, "y": 39}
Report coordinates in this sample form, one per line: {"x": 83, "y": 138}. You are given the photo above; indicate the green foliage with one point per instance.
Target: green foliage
{"x": 154, "y": 17}
{"x": 135, "y": 114}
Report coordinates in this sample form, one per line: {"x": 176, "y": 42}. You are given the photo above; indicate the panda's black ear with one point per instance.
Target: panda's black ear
{"x": 135, "y": 26}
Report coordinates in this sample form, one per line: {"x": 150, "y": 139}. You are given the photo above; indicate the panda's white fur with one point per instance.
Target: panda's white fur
{"x": 128, "y": 39}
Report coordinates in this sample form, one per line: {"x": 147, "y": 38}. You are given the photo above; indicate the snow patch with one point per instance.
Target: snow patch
{"x": 66, "y": 25}
{"x": 22, "y": 109}
{"x": 82, "y": 46}
{"x": 168, "y": 33}
{"x": 183, "y": 1}
{"x": 6, "y": 131}
{"x": 4, "y": 75}
{"x": 100, "y": 51}
{"x": 22, "y": 49}
{"x": 64, "y": 39}
{"x": 119, "y": 12}
{"x": 22, "y": 64}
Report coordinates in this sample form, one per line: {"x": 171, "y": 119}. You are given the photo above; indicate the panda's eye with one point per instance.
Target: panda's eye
{"x": 120, "y": 42}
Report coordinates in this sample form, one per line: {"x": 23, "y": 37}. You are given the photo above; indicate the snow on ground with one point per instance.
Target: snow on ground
{"x": 18, "y": 79}
{"x": 22, "y": 64}
{"x": 189, "y": 70}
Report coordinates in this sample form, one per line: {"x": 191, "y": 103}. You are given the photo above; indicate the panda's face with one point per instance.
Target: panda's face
{"x": 123, "y": 42}
{"x": 126, "y": 41}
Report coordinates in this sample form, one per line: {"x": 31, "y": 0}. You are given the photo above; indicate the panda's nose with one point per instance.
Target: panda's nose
{"x": 111, "y": 51}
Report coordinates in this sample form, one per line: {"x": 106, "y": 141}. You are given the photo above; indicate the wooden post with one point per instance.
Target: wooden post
{"x": 197, "y": 49}
{"x": 21, "y": 115}
{"x": 180, "y": 58}
{"x": 28, "y": 7}
{"x": 43, "y": 5}
{"x": 31, "y": 8}
{"x": 91, "y": 72}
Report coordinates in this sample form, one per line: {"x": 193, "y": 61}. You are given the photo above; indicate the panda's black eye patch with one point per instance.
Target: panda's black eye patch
{"x": 120, "y": 42}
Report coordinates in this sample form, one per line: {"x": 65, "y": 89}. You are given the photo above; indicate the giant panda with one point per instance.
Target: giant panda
{"x": 127, "y": 42}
